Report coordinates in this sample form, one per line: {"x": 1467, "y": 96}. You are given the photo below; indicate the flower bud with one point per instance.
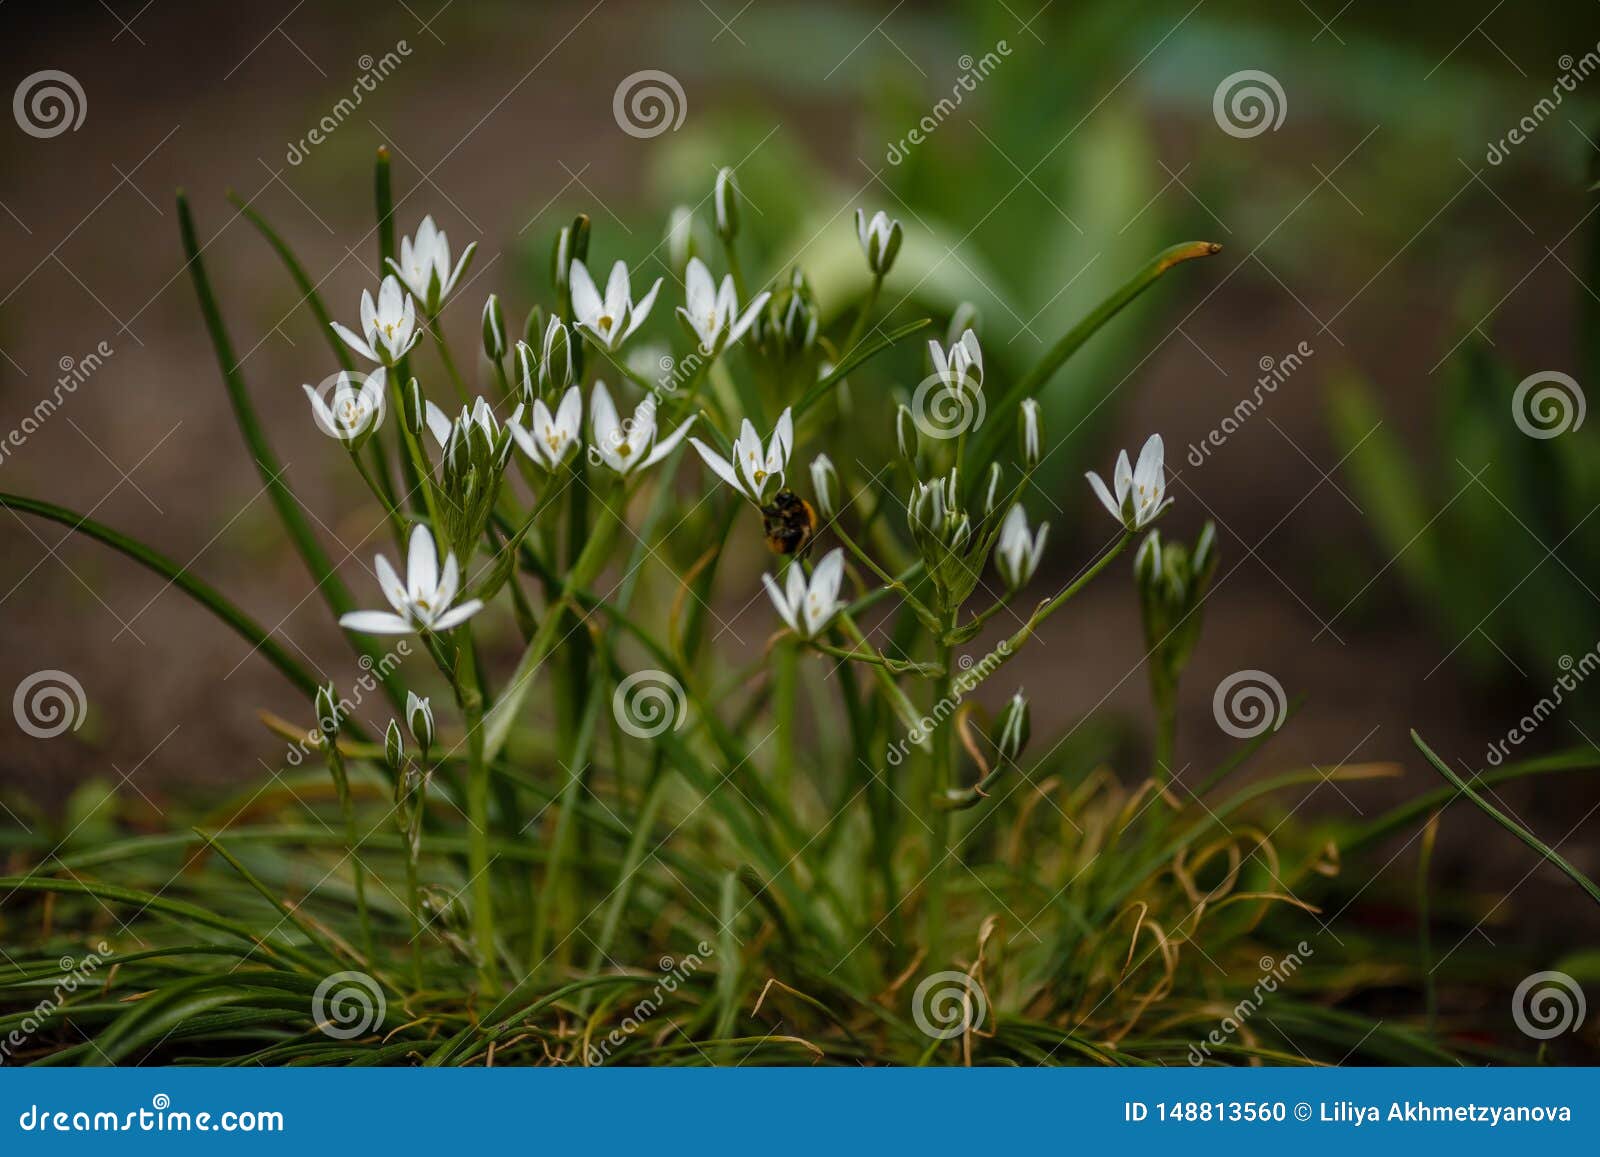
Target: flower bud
{"x": 416, "y": 408}
{"x": 394, "y": 747}
{"x": 494, "y": 329}
{"x": 825, "y": 484}
{"x": 991, "y": 492}
{"x": 1030, "y": 423}
{"x": 533, "y": 326}
{"x": 572, "y": 244}
{"x": 726, "y": 198}
{"x": 327, "y": 707}
{"x": 680, "y": 238}
{"x": 419, "y": 717}
{"x": 1147, "y": 560}
{"x": 1012, "y": 730}
{"x": 880, "y": 240}
{"x": 527, "y": 372}
{"x": 555, "y": 363}
{"x": 905, "y": 433}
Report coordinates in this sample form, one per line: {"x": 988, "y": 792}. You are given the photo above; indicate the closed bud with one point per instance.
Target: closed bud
{"x": 394, "y": 747}
{"x": 533, "y": 327}
{"x": 726, "y": 197}
{"x": 561, "y": 261}
{"x": 419, "y": 717}
{"x": 880, "y": 240}
{"x": 555, "y": 362}
{"x": 1147, "y": 561}
{"x": 1204, "y": 559}
{"x": 494, "y": 329}
{"x": 680, "y": 238}
{"x": 1030, "y": 424}
{"x": 527, "y": 372}
{"x": 905, "y": 434}
{"x": 991, "y": 492}
{"x": 825, "y": 483}
{"x": 1012, "y": 730}
{"x": 416, "y": 408}
{"x": 327, "y": 707}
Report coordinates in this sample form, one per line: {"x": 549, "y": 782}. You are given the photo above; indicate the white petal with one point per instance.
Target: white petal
{"x": 1148, "y": 471}
{"x": 375, "y": 623}
{"x": 455, "y": 616}
{"x": 438, "y": 423}
{"x": 780, "y": 602}
{"x": 718, "y": 464}
{"x": 389, "y": 583}
{"x": 586, "y": 304}
{"x": 449, "y": 582}
{"x": 1104, "y": 495}
{"x": 422, "y": 564}
{"x": 700, "y": 292}
{"x": 354, "y": 342}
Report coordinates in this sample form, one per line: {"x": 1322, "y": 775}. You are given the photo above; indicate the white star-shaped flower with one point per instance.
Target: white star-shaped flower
{"x": 424, "y": 265}
{"x": 388, "y": 329}
{"x": 712, "y": 312}
{"x": 809, "y": 606}
{"x": 1140, "y": 491}
{"x": 552, "y": 439}
{"x": 754, "y": 471}
{"x": 612, "y": 319}
{"x": 422, "y": 601}
{"x": 630, "y": 445}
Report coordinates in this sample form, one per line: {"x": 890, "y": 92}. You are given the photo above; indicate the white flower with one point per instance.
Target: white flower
{"x": 808, "y": 607}
{"x": 613, "y": 319}
{"x": 1140, "y": 490}
{"x": 424, "y": 265}
{"x": 753, "y": 470}
{"x": 552, "y": 440}
{"x": 353, "y": 412}
{"x": 960, "y": 368}
{"x": 422, "y": 602}
{"x": 627, "y": 446}
{"x": 880, "y": 240}
{"x": 389, "y": 328}
{"x": 1018, "y": 553}
{"x": 712, "y": 312}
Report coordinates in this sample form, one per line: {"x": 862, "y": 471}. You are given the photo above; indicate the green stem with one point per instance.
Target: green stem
{"x": 939, "y": 829}
{"x": 470, "y": 699}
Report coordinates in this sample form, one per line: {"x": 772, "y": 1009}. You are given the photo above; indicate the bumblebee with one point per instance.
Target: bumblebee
{"x": 789, "y": 522}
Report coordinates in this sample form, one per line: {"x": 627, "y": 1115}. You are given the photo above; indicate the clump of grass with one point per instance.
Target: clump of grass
{"x": 603, "y": 838}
